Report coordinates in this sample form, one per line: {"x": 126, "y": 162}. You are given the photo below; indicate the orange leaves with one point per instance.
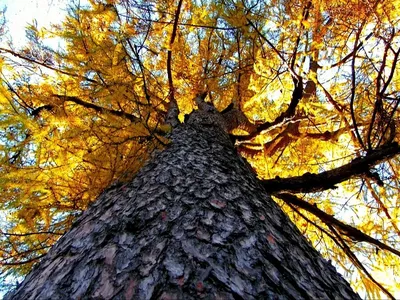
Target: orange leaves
{"x": 76, "y": 119}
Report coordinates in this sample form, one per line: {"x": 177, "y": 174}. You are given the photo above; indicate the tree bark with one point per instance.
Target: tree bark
{"x": 194, "y": 223}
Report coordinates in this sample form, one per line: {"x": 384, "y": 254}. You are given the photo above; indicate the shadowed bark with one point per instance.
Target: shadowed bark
{"x": 194, "y": 223}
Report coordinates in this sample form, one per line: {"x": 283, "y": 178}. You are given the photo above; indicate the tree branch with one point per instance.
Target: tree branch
{"x": 345, "y": 229}
{"x": 291, "y": 71}
{"x": 287, "y": 114}
{"x": 98, "y": 108}
{"x": 31, "y": 60}
{"x": 353, "y": 258}
{"x": 22, "y": 262}
{"x": 296, "y": 95}
{"x": 305, "y": 15}
{"x": 338, "y": 240}
{"x": 350, "y": 55}
{"x": 309, "y": 183}
{"x": 353, "y": 88}
{"x": 169, "y": 54}
{"x": 173, "y": 111}
{"x": 113, "y": 112}
{"x": 30, "y": 233}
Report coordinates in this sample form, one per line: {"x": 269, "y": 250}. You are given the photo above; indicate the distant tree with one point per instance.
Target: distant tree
{"x": 310, "y": 89}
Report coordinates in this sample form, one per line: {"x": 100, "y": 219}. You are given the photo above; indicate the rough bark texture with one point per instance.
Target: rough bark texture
{"x": 194, "y": 223}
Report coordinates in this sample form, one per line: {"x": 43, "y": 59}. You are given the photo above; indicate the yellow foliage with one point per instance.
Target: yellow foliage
{"x": 74, "y": 120}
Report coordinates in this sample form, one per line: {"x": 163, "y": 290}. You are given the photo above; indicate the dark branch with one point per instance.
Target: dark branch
{"x": 309, "y": 183}
{"x": 31, "y": 60}
{"x": 30, "y": 233}
{"x": 350, "y": 55}
{"x": 36, "y": 111}
{"x": 173, "y": 111}
{"x": 22, "y": 262}
{"x": 338, "y": 240}
{"x": 353, "y": 258}
{"x": 345, "y": 229}
{"x": 169, "y": 54}
{"x": 287, "y": 114}
{"x": 98, "y": 108}
{"x": 229, "y": 108}
{"x": 306, "y": 13}
{"x": 202, "y": 26}
{"x": 113, "y": 112}
{"x": 353, "y": 89}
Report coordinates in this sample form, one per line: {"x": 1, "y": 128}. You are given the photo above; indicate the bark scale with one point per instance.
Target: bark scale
{"x": 194, "y": 223}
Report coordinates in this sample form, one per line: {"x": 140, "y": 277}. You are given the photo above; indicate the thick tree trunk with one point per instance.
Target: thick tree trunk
{"x": 194, "y": 223}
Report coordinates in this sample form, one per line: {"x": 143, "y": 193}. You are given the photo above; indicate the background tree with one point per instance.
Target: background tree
{"x": 316, "y": 83}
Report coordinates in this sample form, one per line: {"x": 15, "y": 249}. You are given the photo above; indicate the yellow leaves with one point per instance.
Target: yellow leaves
{"x": 328, "y": 209}
{"x": 118, "y": 51}
{"x": 236, "y": 18}
{"x": 5, "y": 99}
{"x": 269, "y": 100}
{"x": 388, "y": 10}
{"x": 117, "y": 63}
{"x": 128, "y": 30}
{"x": 371, "y": 288}
{"x": 201, "y": 16}
{"x": 306, "y": 24}
{"x": 368, "y": 226}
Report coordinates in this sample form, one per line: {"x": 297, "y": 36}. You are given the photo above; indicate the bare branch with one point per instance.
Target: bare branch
{"x": 353, "y": 88}
{"x": 344, "y": 229}
{"x": 31, "y": 60}
{"x": 98, "y": 108}
{"x": 350, "y": 55}
{"x": 30, "y": 233}
{"x": 22, "y": 262}
{"x": 338, "y": 240}
{"x": 284, "y": 116}
{"x": 305, "y": 15}
{"x": 309, "y": 183}
{"x": 169, "y": 54}
{"x": 353, "y": 258}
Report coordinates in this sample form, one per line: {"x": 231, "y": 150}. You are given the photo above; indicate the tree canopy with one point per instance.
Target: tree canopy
{"x": 313, "y": 88}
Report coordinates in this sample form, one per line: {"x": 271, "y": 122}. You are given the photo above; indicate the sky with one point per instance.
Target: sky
{"x": 21, "y": 12}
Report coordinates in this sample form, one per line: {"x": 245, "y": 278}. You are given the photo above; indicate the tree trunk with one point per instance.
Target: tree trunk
{"x": 194, "y": 223}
